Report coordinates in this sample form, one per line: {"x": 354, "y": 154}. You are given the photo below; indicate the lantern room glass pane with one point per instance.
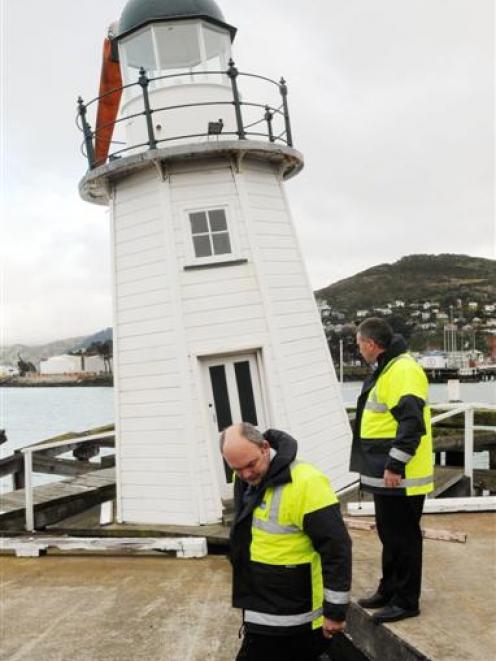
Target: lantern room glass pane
{"x": 217, "y": 47}
{"x": 178, "y": 46}
{"x": 138, "y": 52}
{"x": 217, "y": 51}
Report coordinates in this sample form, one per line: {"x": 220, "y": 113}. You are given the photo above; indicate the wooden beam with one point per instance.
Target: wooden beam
{"x": 12, "y": 464}
{"x": 456, "y": 442}
{"x": 436, "y": 506}
{"x": 444, "y": 535}
{"x": 427, "y": 533}
{"x": 184, "y": 547}
{"x": 67, "y": 467}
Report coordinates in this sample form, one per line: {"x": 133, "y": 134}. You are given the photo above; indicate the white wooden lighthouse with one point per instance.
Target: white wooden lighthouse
{"x": 214, "y": 317}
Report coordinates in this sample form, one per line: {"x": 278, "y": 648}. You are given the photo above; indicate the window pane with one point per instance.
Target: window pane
{"x": 138, "y": 49}
{"x": 216, "y": 42}
{"x": 222, "y": 245}
{"x": 218, "y": 221}
{"x": 198, "y": 222}
{"x": 178, "y": 46}
{"x": 202, "y": 245}
{"x": 245, "y": 390}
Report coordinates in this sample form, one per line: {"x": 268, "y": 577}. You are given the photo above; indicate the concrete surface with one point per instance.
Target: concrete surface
{"x": 458, "y": 605}
{"x": 83, "y": 608}
{"x": 116, "y": 609}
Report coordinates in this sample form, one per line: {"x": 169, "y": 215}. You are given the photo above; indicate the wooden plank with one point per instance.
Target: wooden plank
{"x": 436, "y": 506}
{"x": 56, "y": 501}
{"x": 444, "y": 535}
{"x": 67, "y": 467}
{"x": 427, "y": 533}
{"x": 184, "y": 547}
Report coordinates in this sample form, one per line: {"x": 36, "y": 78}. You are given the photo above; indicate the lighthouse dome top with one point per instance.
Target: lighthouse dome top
{"x": 138, "y": 13}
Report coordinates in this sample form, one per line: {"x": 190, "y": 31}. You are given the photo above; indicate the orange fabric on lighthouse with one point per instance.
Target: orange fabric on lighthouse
{"x": 108, "y": 106}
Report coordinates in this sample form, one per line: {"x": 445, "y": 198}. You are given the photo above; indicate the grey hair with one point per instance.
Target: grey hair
{"x": 247, "y": 431}
{"x": 376, "y": 329}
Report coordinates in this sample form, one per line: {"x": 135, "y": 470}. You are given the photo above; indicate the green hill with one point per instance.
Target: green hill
{"x": 441, "y": 278}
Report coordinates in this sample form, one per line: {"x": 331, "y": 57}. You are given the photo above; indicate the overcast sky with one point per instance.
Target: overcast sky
{"x": 392, "y": 105}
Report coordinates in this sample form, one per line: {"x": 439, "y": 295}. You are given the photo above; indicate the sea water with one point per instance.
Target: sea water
{"x": 30, "y": 415}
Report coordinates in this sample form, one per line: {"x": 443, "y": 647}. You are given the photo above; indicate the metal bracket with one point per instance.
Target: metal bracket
{"x": 161, "y": 169}
{"x": 236, "y": 159}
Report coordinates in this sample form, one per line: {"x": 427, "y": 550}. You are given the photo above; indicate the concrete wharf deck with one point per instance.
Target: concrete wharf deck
{"x": 112, "y": 608}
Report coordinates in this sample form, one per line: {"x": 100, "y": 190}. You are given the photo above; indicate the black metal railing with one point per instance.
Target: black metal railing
{"x": 270, "y": 116}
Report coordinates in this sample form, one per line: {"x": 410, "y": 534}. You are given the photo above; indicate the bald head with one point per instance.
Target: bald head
{"x": 246, "y": 451}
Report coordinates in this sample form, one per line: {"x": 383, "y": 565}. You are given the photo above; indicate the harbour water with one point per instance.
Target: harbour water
{"x": 29, "y": 415}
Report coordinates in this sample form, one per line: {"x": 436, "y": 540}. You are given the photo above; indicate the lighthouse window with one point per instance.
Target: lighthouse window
{"x": 137, "y": 51}
{"x": 210, "y": 233}
{"x": 178, "y": 46}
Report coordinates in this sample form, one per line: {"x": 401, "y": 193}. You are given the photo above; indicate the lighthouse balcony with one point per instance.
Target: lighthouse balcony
{"x": 196, "y": 108}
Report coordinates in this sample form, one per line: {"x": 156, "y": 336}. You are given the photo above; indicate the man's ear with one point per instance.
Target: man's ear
{"x": 265, "y": 445}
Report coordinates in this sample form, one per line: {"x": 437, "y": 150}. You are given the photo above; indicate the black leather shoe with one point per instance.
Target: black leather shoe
{"x": 393, "y": 613}
{"x": 377, "y": 600}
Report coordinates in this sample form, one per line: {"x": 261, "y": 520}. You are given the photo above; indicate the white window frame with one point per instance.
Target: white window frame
{"x": 191, "y": 258}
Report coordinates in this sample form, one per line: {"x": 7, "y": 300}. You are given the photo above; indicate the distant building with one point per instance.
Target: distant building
{"x": 8, "y": 370}
{"x": 67, "y": 364}
{"x": 433, "y": 360}
{"x": 361, "y": 314}
{"x": 473, "y": 305}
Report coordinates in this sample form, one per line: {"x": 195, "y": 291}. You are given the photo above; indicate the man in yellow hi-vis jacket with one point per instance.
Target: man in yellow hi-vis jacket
{"x": 392, "y": 451}
{"x": 290, "y": 551}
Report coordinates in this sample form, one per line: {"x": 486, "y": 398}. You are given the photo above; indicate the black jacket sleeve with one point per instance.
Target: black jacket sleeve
{"x": 329, "y": 536}
{"x": 409, "y": 412}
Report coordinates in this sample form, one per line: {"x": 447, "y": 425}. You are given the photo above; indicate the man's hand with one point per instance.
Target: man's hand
{"x": 331, "y": 627}
{"x": 391, "y": 479}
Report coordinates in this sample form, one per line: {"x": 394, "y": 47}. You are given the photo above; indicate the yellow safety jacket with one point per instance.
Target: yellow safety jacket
{"x": 393, "y": 428}
{"x": 290, "y": 551}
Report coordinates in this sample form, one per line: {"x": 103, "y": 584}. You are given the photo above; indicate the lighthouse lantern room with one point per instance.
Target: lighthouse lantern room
{"x": 214, "y": 318}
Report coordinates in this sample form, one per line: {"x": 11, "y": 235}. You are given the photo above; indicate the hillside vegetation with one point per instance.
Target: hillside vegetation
{"x": 443, "y": 278}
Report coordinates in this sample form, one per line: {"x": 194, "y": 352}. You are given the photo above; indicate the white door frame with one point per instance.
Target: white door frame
{"x": 254, "y": 358}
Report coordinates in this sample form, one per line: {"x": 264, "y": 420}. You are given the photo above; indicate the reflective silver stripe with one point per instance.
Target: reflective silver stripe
{"x": 281, "y": 620}
{"x": 412, "y": 482}
{"x": 271, "y": 524}
{"x": 334, "y": 597}
{"x": 275, "y": 528}
{"x": 400, "y": 455}
{"x": 377, "y": 407}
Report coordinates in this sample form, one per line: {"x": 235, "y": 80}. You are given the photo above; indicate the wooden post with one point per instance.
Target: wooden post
{"x": 469, "y": 447}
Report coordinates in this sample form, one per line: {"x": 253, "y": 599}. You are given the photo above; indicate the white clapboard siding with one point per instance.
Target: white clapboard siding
{"x": 317, "y": 411}
{"x": 168, "y": 317}
{"x": 140, "y": 287}
{"x": 147, "y": 354}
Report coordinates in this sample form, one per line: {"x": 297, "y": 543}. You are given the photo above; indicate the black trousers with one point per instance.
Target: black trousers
{"x": 398, "y": 526}
{"x": 301, "y": 647}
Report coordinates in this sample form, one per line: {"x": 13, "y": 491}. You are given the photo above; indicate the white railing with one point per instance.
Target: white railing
{"x": 454, "y": 408}
{"x": 28, "y": 467}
